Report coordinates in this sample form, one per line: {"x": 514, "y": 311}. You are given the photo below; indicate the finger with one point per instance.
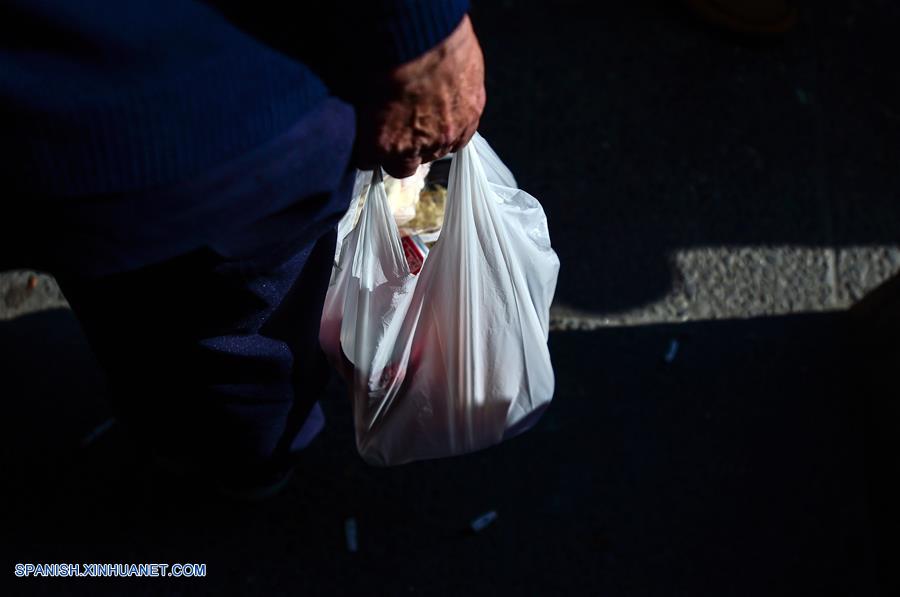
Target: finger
{"x": 402, "y": 167}
{"x": 466, "y": 135}
{"x": 433, "y": 153}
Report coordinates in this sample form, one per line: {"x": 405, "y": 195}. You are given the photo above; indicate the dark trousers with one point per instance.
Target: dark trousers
{"x": 202, "y": 301}
{"x": 210, "y": 358}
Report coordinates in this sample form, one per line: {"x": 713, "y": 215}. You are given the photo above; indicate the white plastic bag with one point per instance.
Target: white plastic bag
{"x": 453, "y": 359}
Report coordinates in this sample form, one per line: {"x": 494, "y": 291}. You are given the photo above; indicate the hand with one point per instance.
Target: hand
{"x": 424, "y": 109}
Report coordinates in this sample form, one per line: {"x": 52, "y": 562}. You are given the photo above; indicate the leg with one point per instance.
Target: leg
{"x": 214, "y": 359}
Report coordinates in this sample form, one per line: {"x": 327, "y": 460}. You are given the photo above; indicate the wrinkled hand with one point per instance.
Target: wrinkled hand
{"x": 424, "y": 109}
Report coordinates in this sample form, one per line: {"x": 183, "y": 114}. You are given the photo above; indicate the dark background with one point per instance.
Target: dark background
{"x": 743, "y": 467}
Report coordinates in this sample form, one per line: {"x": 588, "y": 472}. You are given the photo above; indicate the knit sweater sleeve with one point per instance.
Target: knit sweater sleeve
{"x": 342, "y": 39}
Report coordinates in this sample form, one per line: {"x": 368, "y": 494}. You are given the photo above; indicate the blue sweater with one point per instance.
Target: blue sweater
{"x": 113, "y": 96}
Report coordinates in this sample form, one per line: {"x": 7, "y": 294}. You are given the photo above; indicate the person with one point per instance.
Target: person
{"x": 188, "y": 162}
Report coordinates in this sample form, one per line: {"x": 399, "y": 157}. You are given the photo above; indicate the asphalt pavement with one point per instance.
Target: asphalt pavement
{"x": 716, "y": 203}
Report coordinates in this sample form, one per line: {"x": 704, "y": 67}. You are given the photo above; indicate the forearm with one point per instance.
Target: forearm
{"x": 348, "y": 44}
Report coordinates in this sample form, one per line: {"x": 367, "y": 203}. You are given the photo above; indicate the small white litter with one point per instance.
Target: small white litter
{"x": 350, "y": 534}
{"x": 672, "y": 352}
{"x": 97, "y": 431}
{"x": 483, "y": 521}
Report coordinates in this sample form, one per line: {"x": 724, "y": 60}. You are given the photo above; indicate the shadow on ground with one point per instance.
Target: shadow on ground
{"x": 736, "y": 469}
{"x": 643, "y": 132}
